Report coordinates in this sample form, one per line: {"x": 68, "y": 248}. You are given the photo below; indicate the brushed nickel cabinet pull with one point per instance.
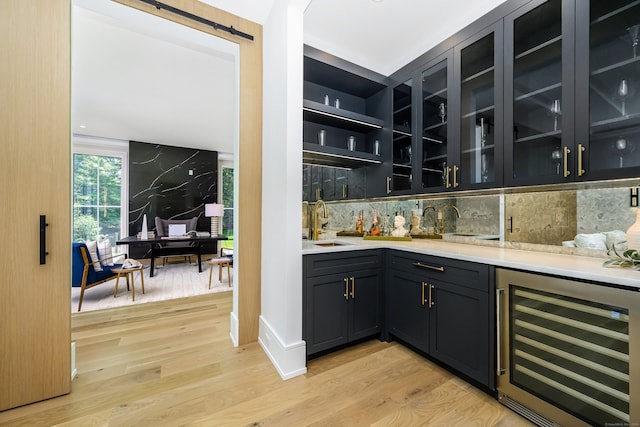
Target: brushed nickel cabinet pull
{"x": 353, "y": 287}
{"x": 388, "y": 185}
{"x": 430, "y": 267}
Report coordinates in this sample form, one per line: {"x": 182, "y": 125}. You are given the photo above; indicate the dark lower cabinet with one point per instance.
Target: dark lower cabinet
{"x": 443, "y": 308}
{"x": 342, "y": 298}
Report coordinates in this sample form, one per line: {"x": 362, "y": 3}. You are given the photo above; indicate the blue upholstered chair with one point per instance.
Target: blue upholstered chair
{"x": 83, "y": 273}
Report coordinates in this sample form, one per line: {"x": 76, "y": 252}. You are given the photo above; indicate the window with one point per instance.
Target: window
{"x": 98, "y": 193}
{"x": 226, "y": 198}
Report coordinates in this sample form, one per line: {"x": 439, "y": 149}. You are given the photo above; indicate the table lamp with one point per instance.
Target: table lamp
{"x": 215, "y": 211}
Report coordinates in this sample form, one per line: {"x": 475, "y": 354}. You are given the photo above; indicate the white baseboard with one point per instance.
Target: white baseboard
{"x": 233, "y": 328}
{"x": 74, "y": 371}
{"x": 289, "y": 360}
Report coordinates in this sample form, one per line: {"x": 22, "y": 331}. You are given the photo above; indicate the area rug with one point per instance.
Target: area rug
{"x": 171, "y": 281}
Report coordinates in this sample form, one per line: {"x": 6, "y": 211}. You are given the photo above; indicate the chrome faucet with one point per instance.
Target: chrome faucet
{"x": 442, "y": 220}
{"x": 325, "y": 215}
{"x": 435, "y": 217}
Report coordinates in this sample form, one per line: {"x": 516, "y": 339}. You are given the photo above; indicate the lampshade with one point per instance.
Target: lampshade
{"x": 213, "y": 209}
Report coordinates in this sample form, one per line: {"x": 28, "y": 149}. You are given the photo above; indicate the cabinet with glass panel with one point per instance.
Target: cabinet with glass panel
{"x": 461, "y": 141}
{"x": 539, "y": 139}
{"x": 571, "y": 75}
{"x": 608, "y": 88}
{"x": 402, "y": 175}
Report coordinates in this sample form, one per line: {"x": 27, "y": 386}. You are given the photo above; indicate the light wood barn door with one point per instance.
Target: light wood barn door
{"x": 35, "y": 313}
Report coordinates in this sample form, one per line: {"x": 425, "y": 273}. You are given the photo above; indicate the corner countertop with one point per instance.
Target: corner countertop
{"x": 572, "y": 266}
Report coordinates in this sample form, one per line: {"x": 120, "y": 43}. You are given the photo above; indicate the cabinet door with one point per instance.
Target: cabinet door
{"x": 35, "y": 312}
{"x": 459, "y": 329}
{"x": 539, "y": 124}
{"x": 437, "y": 129}
{"x": 608, "y": 93}
{"x": 326, "y": 312}
{"x": 365, "y": 299}
{"x": 406, "y": 310}
{"x": 479, "y": 81}
{"x": 402, "y": 138}
{"x": 328, "y": 181}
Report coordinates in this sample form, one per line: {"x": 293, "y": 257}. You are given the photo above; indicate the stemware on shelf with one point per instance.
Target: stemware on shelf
{"x": 555, "y": 112}
{"x": 442, "y": 111}
{"x": 556, "y": 157}
{"x": 623, "y": 92}
{"x": 633, "y": 33}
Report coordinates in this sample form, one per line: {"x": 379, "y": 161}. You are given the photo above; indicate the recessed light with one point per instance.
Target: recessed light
{"x": 83, "y": 126}
{"x": 377, "y": 1}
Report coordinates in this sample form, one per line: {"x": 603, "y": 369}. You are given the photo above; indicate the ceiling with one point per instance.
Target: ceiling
{"x": 139, "y": 77}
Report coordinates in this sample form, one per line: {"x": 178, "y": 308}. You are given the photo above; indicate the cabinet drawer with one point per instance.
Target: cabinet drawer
{"x": 463, "y": 273}
{"x": 341, "y": 262}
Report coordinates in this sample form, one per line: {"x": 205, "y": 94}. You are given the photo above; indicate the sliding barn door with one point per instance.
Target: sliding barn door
{"x": 35, "y": 313}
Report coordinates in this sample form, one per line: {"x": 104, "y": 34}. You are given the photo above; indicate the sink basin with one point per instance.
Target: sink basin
{"x": 328, "y": 244}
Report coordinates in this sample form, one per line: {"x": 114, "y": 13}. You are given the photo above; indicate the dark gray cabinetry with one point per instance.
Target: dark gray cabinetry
{"x": 444, "y": 308}
{"x": 329, "y": 183}
{"x": 344, "y": 102}
{"x": 342, "y": 297}
{"x": 572, "y": 106}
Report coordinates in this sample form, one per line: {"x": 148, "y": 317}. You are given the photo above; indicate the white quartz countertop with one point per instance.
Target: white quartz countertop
{"x": 572, "y": 266}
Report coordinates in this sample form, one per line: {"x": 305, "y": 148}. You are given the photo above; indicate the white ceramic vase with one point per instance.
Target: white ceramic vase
{"x": 633, "y": 233}
{"x": 144, "y": 234}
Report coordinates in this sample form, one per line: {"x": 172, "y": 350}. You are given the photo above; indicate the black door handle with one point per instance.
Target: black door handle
{"x": 43, "y": 239}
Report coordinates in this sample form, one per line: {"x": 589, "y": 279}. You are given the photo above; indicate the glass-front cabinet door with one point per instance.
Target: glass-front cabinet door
{"x": 538, "y": 117}
{"x": 478, "y": 162}
{"x": 402, "y": 139}
{"x": 436, "y": 126}
{"x": 608, "y": 95}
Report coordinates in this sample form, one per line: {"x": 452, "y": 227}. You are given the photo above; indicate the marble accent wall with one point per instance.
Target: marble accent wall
{"x": 602, "y": 210}
{"x": 170, "y": 182}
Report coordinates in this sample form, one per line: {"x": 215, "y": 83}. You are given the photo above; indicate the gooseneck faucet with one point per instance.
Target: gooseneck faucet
{"x": 325, "y": 215}
{"x": 435, "y": 217}
{"x": 442, "y": 220}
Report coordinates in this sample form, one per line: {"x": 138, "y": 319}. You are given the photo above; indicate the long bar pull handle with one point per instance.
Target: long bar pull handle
{"x": 447, "y": 171}
{"x": 353, "y": 287}
{"x": 388, "y": 185}
{"x": 422, "y": 301}
{"x": 430, "y": 267}
{"x": 565, "y": 158}
{"x": 455, "y": 176}
{"x": 43, "y": 239}
{"x": 346, "y": 289}
{"x": 580, "y": 151}
{"x": 344, "y": 191}
{"x": 431, "y": 301}
{"x": 499, "y": 369}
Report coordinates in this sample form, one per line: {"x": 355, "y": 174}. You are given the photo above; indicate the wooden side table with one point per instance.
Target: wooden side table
{"x": 126, "y": 272}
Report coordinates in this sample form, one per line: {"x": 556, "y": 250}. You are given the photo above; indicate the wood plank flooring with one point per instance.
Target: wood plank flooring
{"x": 172, "y": 363}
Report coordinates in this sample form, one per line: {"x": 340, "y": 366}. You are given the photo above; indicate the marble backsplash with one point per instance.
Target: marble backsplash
{"x": 544, "y": 219}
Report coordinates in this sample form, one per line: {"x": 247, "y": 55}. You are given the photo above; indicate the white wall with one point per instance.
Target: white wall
{"x": 280, "y": 332}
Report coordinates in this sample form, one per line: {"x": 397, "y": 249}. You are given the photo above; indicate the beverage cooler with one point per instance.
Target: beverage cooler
{"x": 568, "y": 351}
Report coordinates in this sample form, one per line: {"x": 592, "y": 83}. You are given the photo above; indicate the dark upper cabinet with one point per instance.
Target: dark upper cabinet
{"x": 476, "y": 160}
{"x": 329, "y": 183}
{"x": 400, "y": 181}
{"x": 344, "y": 120}
{"x": 607, "y": 90}
{"x": 571, "y": 74}
{"x": 539, "y": 92}
{"x": 437, "y": 130}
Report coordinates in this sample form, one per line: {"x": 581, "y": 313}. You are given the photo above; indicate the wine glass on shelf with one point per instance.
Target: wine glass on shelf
{"x": 622, "y": 147}
{"x": 633, "y": 33}
{"x": 555, "y": 112}
{"x": 442, "y": 111}
{"x": 556, "y": 157}
{"x": 623, "y": 92}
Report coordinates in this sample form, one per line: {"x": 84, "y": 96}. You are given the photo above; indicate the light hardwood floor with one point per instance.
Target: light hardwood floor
{"x": 172, "y": 363}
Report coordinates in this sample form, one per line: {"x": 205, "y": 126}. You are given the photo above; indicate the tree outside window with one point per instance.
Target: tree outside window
{"x": 97, "y": 184}
{"x": 227, "y": 201}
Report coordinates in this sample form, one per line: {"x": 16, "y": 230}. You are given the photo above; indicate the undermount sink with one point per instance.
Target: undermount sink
{"x": 327, "y": 244}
